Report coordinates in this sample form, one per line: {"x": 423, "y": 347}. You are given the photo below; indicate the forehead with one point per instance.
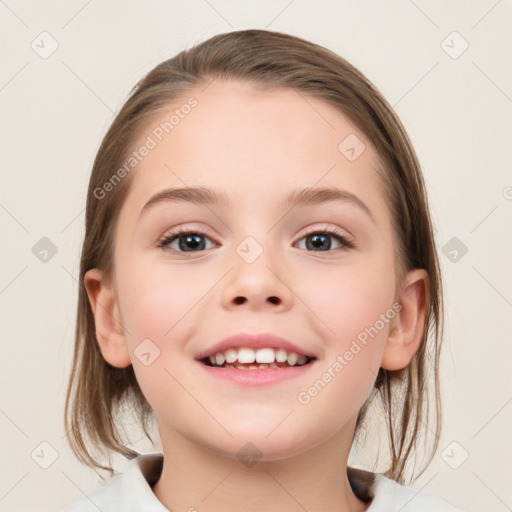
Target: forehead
{"x": 254, "y": 144}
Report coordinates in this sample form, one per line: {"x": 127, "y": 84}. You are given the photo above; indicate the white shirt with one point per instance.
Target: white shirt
{"x": 131, "y": 491}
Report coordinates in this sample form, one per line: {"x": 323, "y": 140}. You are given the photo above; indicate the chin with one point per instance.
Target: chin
{"x": 255, "y": 446}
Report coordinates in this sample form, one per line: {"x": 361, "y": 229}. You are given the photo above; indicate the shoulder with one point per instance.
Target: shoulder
{"x": 390, "y": 496}
{"x": 127, "y": 491}
{"x": 104, "y": 498}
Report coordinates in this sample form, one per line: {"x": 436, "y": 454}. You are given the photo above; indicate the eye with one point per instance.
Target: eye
{"x": 187, "y": 240}
{"x": 320, "y": 241}
{"x": 193, "y": 240}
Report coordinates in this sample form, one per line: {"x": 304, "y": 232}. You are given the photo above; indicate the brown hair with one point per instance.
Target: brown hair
{"x": 97, "y": 391}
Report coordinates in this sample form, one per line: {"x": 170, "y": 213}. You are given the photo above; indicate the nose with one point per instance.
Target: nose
{"x": 259, "y": 285}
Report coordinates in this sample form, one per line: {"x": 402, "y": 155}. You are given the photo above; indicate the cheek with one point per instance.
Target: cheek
{"x": 349, "y": 299}
{"x": 354, "y": 306}
{"x": 156, "y": 302}
{"x": 158, "y": 305}
{"x": 351, "y": 308}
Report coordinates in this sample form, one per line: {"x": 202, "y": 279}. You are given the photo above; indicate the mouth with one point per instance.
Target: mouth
{"x": 255, "y": 374}
{"x": 267, "y": 358}
{"x": 255, "y": 359}
{"x": 255, "y": 366}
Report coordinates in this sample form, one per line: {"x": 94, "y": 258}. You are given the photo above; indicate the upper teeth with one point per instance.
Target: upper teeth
{"x": 262, "y": 355}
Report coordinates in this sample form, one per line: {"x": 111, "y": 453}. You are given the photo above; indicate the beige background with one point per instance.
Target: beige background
{"x": 55, "y": 110}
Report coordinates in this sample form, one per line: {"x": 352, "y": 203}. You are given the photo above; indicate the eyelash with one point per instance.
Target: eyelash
{"x": 173, "y": 235}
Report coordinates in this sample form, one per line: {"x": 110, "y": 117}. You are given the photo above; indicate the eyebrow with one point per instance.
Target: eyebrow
{"x": 298, "y": 197}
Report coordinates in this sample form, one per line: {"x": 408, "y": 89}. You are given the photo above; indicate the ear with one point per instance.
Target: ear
{"x": 406, "y": 330}
{"x": 109, "y": 328}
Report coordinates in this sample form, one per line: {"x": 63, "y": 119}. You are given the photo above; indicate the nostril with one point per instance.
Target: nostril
{"x": 274, "y": 300}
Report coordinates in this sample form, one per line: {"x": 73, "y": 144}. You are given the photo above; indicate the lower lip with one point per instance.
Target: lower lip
{"x": 257, "y": 377}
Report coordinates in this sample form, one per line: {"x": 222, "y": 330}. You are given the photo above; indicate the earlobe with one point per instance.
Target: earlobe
{"x": 406, "y": 330}
{"x": 108, "y": 323}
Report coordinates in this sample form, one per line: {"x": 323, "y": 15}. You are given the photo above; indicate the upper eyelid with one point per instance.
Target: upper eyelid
{"x": 325, "y": 227}
{"x": 202, "y": 230}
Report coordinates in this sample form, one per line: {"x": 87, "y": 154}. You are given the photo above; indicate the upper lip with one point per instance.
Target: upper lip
{"x": 254, "y": 341}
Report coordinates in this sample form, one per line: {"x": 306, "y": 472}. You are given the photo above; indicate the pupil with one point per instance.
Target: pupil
{"x": 192, "y": 241}
{"x": 319, "y": 241}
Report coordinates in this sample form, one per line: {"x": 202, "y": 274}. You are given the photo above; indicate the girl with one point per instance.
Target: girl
{"x": 259, "y": 268}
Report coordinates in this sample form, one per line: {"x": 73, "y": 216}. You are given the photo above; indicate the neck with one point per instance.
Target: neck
{"x": 196, "y": 478}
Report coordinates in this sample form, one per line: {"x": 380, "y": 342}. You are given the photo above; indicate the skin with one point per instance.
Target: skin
{"x": 256, "y": 146}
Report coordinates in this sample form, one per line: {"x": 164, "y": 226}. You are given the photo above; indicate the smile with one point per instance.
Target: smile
{"x": 255, "y": 373}
{"x": 249, "y": 359}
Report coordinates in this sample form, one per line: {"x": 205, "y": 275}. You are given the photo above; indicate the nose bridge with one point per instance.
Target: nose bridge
{"x": 256, "y": 238}
{"x": 256, "y": 256}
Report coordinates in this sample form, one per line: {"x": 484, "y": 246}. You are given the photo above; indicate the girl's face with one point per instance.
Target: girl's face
{"x": 255, "y": 148}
